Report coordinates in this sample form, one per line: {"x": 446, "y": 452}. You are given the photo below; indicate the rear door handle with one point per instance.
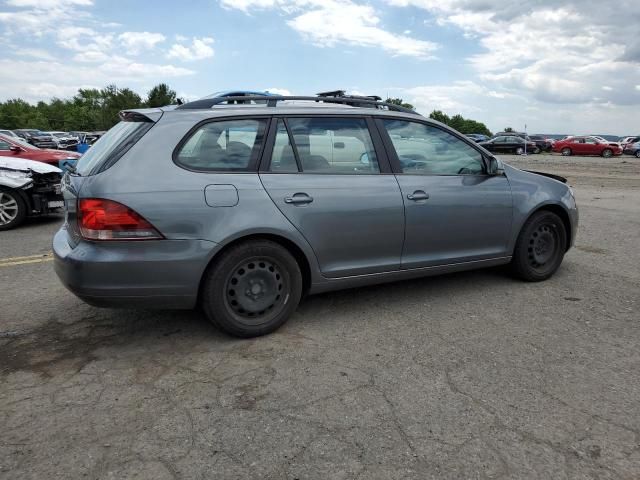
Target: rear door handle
{"x": 418, "y": 195}
{"x": 299, "y": 198}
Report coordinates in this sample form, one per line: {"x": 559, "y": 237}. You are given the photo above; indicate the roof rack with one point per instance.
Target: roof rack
{"x": 272, "y": 100}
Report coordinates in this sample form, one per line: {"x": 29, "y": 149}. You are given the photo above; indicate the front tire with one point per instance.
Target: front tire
{"x": 537, "y": 150}
{"x": 607, "y": 153}
{"x": 540, "y": 247}
{"x": 637, "y": 153}
{"x": 13, "y": 210}
{"x": 519, "y": 151}
{"x": 252, "y": 289}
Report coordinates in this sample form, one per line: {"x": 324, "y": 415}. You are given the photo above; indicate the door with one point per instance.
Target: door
{"x": 326, "y": 177}
{"x": 5, "y": 149}
{"x": 578, "y": 147}
{"x": 454, "y": 211}
{"x": 592, "y": 147}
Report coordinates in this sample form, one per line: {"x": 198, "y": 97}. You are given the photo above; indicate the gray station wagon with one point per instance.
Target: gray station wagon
{"x": 241, "y": 205}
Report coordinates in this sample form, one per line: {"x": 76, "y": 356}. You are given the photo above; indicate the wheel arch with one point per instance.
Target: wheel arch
{"x": 297, "y": 252}
{"x": 561, "y": 212}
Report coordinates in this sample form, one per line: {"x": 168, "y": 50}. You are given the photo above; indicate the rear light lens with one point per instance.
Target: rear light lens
{"x": 100, "y": 219}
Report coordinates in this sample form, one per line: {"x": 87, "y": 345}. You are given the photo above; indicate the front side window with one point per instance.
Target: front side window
{"x": 334, "y": 145}
{"x": 426, "y": 150}
{"x": 229, "y": 145}
{"x": 590, "y": 140}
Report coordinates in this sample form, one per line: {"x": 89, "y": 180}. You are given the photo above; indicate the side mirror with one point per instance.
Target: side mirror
{"x": 495, "y": 166}
{"x": 15, "y": 149}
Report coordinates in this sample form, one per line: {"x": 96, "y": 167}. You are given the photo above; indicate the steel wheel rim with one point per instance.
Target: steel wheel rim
{"x": 519, "y": 151}
{"x": 8, "y": 208}
{"x": 256, "y": 290}
{"x": 566, "y": 152}
{"x": 607, "y": 153}
{"x": 543, "y": 247}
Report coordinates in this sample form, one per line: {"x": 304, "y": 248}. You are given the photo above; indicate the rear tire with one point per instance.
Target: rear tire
{"x": 566, "y": 152}
{"x": 537, "y": 150}
{"x": 252, "y": 289}
{"x": 607, "y": 153}
{"x": 13, "y": 209}
{"x": 519, "y": 151}
{"x": 540, "y": 247}
{"x": 637, "y": 153}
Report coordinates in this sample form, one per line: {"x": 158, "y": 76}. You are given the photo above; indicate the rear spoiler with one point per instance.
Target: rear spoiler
{"x": 141, "y": 115}
{"x": 550, "y": 175}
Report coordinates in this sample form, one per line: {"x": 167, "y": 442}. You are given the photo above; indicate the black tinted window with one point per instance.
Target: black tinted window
{"x": 229, "y": 145}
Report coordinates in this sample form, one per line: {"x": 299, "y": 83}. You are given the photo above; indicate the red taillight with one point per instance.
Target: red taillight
{"x": 101, "y": 219}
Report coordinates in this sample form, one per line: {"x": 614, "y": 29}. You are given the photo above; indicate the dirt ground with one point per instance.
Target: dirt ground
{"x": 470, "y": 375}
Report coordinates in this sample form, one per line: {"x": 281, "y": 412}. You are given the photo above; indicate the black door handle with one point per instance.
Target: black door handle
{"x": 298, "y": 199}
{"x": 418, "y": 195}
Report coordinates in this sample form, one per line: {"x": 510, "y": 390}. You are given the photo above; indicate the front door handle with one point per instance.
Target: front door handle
{"x": 418, "y": 195}
{"x": 299, "y": 198}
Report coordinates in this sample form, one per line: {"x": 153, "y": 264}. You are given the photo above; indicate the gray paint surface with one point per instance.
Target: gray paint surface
{"x": 359, "y": 229}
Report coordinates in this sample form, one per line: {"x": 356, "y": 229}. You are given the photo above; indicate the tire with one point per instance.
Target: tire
{"x": 252, "y": 289}
{"x": 637, "y": 154}
{"x": 519, "y": 151}
{"x": 566, "y": 152}
{"x": 537, "y": 150}
{"x": 607, "y": 153}
{"x": 13, "y": 209}
{"x": 540, "y": 247}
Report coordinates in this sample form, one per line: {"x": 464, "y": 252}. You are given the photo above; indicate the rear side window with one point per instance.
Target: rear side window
{"x": 221, "y": 146}
{"x": 112, "y": 146}
{"x": 325, "y": 145}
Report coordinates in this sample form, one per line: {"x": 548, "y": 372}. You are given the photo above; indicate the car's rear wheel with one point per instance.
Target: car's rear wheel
{"x": 252, "y": 289}
{"x": 566, "y": 152}
{"x": 519, "y": 151}
{"x": 540, "y": 247}
{"x": 607, "y": 153}
{"x": 537, "y": 150}
{"x": 13, "y": 210}
{"x": 637, "y": 154}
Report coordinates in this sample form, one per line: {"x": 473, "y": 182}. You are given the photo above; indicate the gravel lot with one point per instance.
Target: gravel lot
{"x": 471, "y": 375}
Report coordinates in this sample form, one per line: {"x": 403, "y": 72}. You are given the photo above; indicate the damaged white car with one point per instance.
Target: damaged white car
{"x": 27, "y": 188}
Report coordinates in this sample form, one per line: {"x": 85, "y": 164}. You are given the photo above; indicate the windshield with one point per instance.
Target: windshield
{"x": 111, "y": 146}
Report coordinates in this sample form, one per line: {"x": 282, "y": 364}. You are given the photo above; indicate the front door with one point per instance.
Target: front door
{"x": 454, "y": 211}
{"x": 326, "y": 178}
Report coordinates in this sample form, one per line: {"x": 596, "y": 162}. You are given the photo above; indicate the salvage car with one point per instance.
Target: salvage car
{"x": 590, "y": 145}
{"x": 509, "y": 144}
{"x": 244, "y": 208}
{"x": 10, "y": 147}
{"x": 64, "y": 140}
{"x": 37, "y": 138}
{"x": 27, "y": 188}
{"x": 633, "y": 149}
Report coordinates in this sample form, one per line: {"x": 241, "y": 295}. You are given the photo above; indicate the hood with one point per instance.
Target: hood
{"x": 50, "y": 153}
{"x": 550, "y": 175}
{"x": 21, "y": 164}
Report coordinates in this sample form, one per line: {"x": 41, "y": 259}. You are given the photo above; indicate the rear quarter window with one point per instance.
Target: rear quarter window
{"x": 223, "y": 146}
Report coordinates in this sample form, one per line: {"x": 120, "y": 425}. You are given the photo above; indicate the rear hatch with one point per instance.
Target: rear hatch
{"x": 103, "y": 154}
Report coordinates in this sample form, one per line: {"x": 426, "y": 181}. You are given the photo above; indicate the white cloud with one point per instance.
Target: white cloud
{"x": 34, "y": 53}
{"x": 48, "y": 3}
{"x": 555, "y": 51}
{"x": 278, "y": 91}
{"x": 136, "y": 42}
{"x": 199, "y": 49}
{"x": 327, "y": 23}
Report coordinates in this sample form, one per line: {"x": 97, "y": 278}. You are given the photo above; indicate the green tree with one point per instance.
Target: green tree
{"x": 440, "y": 117}
{"x": 400, "y": 102}
{"x": 161, "y": 95}
{"x": 458, "y": 122}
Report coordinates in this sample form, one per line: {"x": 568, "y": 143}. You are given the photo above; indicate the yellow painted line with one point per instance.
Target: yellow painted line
{"x": 11, "y": 261}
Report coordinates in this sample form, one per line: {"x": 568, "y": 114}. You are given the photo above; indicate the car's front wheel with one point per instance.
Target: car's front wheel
{"x": 607, "y": 153}
{"x": 519, "y": 151}
{"x": 540, "y": 247}
{"x": 537, "y": 150}
{"x": 637, "y": 154}
{"x": 252, "y": 289}
{"x": 13, "y": 210}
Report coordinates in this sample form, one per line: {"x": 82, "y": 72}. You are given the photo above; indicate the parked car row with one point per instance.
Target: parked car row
{"x": 53, "y": 139}
{"x": 17, "y": 148}
{"x": 519, "y": 142}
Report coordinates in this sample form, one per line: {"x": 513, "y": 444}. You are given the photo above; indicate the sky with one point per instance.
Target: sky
{"x": 556, "y": 66}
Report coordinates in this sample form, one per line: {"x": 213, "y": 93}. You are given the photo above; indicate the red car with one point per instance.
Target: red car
{"x": 586, "y": 146}
{"x": 10, "y": 147}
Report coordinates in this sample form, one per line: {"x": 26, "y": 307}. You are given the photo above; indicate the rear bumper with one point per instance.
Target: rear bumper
{"x": 142, "y": 274}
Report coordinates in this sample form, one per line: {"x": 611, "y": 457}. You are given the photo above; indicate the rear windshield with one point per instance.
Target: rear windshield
{"x": 111, "y": 147}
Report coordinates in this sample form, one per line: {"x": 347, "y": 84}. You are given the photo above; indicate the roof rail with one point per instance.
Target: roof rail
{"x": 271, "y": 101}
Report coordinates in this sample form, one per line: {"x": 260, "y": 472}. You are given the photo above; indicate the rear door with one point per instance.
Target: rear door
{"x": 331, "y": 182}
{"x": 455, "y": 212}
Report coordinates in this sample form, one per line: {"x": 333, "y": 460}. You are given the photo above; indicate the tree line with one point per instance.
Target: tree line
{"x": 91, "y": 109}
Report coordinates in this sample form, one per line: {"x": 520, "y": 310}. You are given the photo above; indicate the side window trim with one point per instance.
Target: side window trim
{"x": 255, "y": 159}
{"x": 393, "y": 156}
{"x": 294, "y": 147}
